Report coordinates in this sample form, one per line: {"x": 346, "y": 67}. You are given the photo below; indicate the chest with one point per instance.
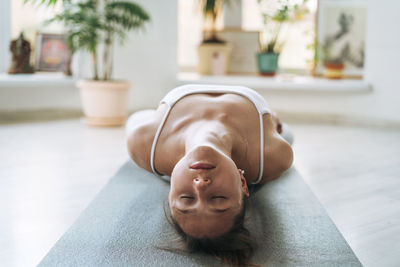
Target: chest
{"x": 233, "y": 111}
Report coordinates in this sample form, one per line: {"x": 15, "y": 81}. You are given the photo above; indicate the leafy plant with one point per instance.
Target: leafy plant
{"x": 91, "y": 23}
{"x": 326, "y": 55}
{"x": 212, "y": 9}
{"x": 270, "y": 40}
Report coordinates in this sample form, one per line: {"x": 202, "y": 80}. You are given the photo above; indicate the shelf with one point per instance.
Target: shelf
{"x": 35, "y": 80}
{"x": 282, "y": 82}
{"x": 279, "y": 83}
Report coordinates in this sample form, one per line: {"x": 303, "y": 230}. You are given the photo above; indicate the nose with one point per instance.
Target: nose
{"x": 202, "y": 182}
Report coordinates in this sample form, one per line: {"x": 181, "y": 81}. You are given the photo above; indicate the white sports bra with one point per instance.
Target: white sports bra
{"x": 178, "y": 93}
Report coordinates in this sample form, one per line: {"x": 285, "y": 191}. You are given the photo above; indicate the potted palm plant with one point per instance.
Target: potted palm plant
{"x": 213, "y": 52}
{"x": 94, "y": 26}
{"x": 270, "y": 38}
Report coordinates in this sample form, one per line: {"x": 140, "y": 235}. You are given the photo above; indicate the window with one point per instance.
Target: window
{"x": 296, "y": 54}
{"x": 30, "y": 18}
{"x": 190, "y": 25}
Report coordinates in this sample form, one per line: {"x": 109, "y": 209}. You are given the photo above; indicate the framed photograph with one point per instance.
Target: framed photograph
{"x": 244, "y": 50}
{"x": 341, "y": 27}
{"x": 52, "y": 53}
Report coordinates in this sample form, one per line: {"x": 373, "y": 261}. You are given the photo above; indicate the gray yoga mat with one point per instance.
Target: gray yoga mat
{"x": 125, "y": 223}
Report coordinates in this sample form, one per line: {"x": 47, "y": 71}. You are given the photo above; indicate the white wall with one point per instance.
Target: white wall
{"x": 33, "y": 95}
{"x": 149, "y": 58}
{"x": 4, "y": 34}
{"x": 383, "y": 57}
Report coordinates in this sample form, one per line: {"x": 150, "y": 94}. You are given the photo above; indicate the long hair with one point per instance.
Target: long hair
{"x": 234, "y": 248}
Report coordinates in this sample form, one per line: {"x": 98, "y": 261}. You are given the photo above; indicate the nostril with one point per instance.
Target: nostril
{"x": 202, "y": 180}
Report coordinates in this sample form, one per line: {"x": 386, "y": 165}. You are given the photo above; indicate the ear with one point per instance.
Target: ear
{"x": 245, "y": 189}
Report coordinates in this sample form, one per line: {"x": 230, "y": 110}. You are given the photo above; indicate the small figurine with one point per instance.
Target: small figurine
{"x": 21, "y": 52}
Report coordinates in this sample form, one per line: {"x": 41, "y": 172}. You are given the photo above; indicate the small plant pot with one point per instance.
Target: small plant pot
{"x": 214, "y": 58}
{"x": 333, "y": 70}
{"x": 104, "y": 103}
{"x": 267, "y": 63}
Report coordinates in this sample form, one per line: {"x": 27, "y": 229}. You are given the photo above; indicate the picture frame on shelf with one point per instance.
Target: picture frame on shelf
{"x": 52, "y": 53}
{"x": 244, "y": 50}
{"x": 340, "y": 36}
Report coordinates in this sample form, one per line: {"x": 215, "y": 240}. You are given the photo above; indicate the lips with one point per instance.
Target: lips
{"x": 202, "y": 166}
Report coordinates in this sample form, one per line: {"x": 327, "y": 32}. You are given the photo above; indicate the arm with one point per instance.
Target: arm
{"x": 278, "y": 157}
{"x": 277, "y": 124}
{"x": 139, "y": 146}
{"x": 278, "y": 154}
{"x": 141, "y": 128}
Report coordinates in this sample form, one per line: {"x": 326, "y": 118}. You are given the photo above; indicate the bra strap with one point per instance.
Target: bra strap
{"x": 155, "y": 140}
{"x": 260, "y": 174}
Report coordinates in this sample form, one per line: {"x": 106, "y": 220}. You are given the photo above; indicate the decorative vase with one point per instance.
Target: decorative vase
{"x": 104, "y": 103}
{"x": 333, "y": 70}
{"x": 267, "y": 63}
{"x": 213, "y": 58}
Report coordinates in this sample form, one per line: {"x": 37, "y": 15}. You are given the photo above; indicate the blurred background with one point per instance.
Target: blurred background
{"x": 167, "y": 45}
{"x": 72, "y": 71}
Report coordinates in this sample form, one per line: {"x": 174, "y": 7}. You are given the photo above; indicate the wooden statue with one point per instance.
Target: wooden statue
{"x": 21, "y": 52}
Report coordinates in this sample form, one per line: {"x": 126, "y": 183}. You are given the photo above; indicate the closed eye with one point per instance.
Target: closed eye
{"x": 187, "y": 197}
{"x": 215, "y": 197}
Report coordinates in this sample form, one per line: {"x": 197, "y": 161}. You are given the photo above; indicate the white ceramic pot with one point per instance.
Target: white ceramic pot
{"x": 213, "y": 58}
{"x": 104, "y": 103}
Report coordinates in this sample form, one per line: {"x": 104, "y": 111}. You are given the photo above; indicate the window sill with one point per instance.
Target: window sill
{"x": 281, "y": 83}
{"x": 42, "y": 79}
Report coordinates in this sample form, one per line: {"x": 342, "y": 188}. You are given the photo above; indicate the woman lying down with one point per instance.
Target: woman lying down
{"x": 213, "y": 142}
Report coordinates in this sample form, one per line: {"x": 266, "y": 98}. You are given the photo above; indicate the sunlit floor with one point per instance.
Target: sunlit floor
{"x": 50, "y": 171}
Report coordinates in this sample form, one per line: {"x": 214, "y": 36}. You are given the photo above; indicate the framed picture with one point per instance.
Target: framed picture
{"x": 341, "y": 27}
{"x": 52, "y": 53}
{"x": 244, "y": 50}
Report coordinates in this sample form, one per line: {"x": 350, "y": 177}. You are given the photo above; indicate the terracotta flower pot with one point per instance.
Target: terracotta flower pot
{"x": 333, "y": 70}
{"x": 104, "y": 103}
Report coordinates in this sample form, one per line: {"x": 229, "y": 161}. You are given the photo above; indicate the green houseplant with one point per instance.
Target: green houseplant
{"x": 213, "y": 53}
{"x": 333, "y": 65}
{"x": 275, "y": 15}
{"x": 94, "y": 26}
{"x": 211, "y": 10}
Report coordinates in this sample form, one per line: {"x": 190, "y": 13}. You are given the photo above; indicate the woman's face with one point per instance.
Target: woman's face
{"x": 206, "y": 192}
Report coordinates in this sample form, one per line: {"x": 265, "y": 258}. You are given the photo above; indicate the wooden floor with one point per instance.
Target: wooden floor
{"x": 355, "y": 173}
{"x": 50, "y": 171}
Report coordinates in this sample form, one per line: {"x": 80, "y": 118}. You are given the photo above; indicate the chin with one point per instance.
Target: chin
{"x": 204, "y": 153}
{"x": 204, "y": 148}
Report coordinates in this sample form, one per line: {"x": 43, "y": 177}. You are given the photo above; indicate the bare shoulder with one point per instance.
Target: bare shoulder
{"x": 140, "y": 138}
{"x": 278, "y": 156}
